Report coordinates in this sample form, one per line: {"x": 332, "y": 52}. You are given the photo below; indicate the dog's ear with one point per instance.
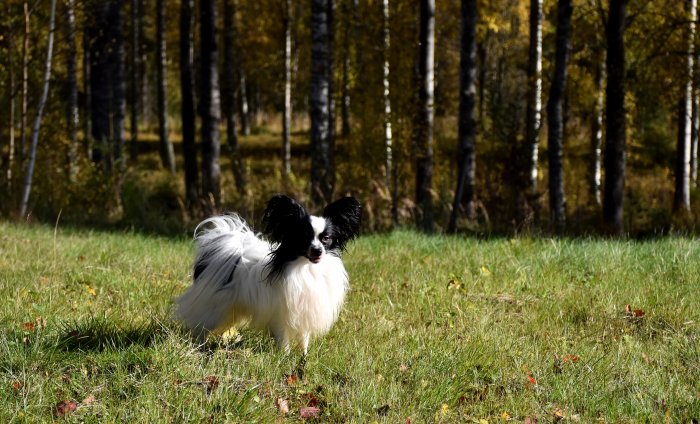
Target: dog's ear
{"x": 281, "y": 213}
{"x": 345, "y": 214}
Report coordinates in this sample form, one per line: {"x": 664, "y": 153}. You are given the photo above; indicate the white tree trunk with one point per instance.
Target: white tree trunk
{"x": 597, "y": 134}
{"x": 387, "y": 100}
{"x": 27, "y": 188}
{"x": 25, "y": 88}
{"x": 287, "y": 118}
{"x": 11, "y": 147}
{"x": 534, "y": 99}
{"x": 73, "y": 115}
{"x": 682, "y": 193}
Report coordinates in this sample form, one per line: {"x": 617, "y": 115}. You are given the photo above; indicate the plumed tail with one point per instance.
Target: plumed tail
{"x": 227, "y": 251}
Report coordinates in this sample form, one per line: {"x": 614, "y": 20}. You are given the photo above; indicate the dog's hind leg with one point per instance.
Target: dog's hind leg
{"x": 280, "y": 335}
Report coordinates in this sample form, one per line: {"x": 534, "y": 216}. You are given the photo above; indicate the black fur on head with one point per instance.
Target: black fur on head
{"x": 345, "y": 216}
{"x": 296, "y": 234}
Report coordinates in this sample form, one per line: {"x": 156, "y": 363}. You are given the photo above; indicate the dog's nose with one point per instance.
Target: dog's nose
{"x": 315, "y": 251}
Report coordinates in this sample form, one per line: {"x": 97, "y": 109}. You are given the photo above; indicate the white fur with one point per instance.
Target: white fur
{"x": 318, "y": 224}
{"x": 303, "y": 302}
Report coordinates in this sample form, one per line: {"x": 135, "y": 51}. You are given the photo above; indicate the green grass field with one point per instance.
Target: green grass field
{"x": 439, "y": 329}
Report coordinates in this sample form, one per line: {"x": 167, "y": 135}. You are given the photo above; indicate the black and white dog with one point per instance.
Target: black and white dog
{"x": 293, "y": 283}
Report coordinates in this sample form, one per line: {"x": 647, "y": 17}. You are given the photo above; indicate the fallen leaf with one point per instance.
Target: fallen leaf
{"x": 570, "y": 358}
{"x": 282, "y": 406}
{"x": 558, "y": 414}
{"x": 530, "y": 420}
{"x": 505, "y": 416}
{"x": 291, "y": 379}
{"x": 531, "y": 379}
{"x": 485, "y": 271}
{"x": 311, "y": 400}
{"x": 29, "y": 326}
{"x": 309, "y": 412}
{"x": 210, "y": 383}
{"x": 64, "y": 408}
{"x": 408, "y": 420}
{"x": 16, "y": 385}
{"x": 90, "y": 290}
{"x": 628, "y": 309}
{"x": 88, "y": 400}
{"x": 638, "y": 313}
{"x": 81, "y": 258}
{"x": 444, "y": 409}
{"x": 403, "y": 368}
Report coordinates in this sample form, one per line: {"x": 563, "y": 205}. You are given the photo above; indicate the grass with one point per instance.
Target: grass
{"x": 437, "y": 328}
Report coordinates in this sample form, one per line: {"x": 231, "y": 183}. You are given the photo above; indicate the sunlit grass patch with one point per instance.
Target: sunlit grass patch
{"x": 435, "y": 328}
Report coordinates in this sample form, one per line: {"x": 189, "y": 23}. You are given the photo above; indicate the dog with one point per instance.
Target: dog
{"x": 289, "y": 280}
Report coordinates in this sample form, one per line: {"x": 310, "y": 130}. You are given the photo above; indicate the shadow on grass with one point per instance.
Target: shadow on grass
{"x": 99, "y": 334}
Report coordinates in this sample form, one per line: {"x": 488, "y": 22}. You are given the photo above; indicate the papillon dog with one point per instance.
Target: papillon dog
{"x": 290, "y": 280}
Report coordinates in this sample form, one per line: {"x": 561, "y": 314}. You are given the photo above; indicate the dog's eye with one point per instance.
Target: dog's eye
{"x": 325, "y": 239}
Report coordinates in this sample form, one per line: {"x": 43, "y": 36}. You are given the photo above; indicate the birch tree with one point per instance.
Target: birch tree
{"x": 73, "y": 117}
{"x": 322, "y": 144}
{"x": 466, "y": 143}
{"x": 11, "y": 138}
{"x": 29, "y": 174}
{"x": 595, "y": 177}
{"x": 167, "y": 154}
{"x": 555, "y": 116}
{"x": 287, "y": 112}
{"x": 681, "y": 198}
{"x": 228, "y": 99}
{"x": 188, "y": 112}
{"x": 243, "y": 105}
{"x": 423, "y": 121}
{"x": 118, "y": 83}
{"x": 533, "y": 118}
{"x": 210, "y": 109}
{"x": 615, "y": 121}
{"x": 135, "y": 65}
{"x": 25, "y": 87}
{"x": 388, "y": 167}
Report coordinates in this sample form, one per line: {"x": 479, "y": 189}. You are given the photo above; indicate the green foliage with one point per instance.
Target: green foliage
{"x": 438, "y": 329}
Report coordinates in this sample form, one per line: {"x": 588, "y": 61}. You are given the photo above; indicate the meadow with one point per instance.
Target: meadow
{"x": 435, "y": 329}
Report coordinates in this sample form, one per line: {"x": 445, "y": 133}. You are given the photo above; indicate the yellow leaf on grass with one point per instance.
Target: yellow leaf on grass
{"x": 485, "y": 271}
{"x": 444, "y": 408}
{"x": 90, "y": 290}
{"x": 505, "y": 416}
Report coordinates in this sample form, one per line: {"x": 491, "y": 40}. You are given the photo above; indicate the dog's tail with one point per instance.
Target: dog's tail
{"x": 227, "y": 249}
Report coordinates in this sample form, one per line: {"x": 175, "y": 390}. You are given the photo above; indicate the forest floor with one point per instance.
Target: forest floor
{"x": 438, "y": 328}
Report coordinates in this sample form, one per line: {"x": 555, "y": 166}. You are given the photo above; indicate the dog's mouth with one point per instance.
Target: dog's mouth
{"x": 314, "y": 259}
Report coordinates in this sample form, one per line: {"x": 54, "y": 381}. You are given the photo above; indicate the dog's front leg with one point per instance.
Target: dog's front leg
{"x": 305, "y": 342}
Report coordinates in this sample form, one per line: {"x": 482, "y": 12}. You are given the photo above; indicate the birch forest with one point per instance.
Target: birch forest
{"x": 503, "y": 117}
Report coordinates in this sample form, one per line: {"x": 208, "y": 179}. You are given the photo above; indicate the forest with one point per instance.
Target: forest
{"x": 569, "y": 117}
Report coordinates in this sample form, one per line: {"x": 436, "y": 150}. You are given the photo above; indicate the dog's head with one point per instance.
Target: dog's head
{"x": 298, "y": 234}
